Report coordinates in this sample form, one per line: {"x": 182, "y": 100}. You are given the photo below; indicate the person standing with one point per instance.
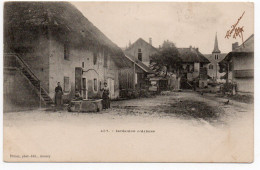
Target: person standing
{"x": 58, "y": 95}
{"x": 105, "y": 97}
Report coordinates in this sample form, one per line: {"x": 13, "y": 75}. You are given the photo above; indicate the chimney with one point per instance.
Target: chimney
{"x": 150, "y": 41}
{"x": 197, "y": 49}
{"x": 190, "y": 47}
{"x": 234, "y": 46}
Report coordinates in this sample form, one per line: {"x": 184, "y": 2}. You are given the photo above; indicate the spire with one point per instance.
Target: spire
{"x": 216, "y": 50}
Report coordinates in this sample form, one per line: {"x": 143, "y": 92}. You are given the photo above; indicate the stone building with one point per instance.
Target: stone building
{"x": 50, "y": 42}
{"x": 142, "y": 50}
{"x": 134, "y": 77}
{"x": 194, "y": 67}
{"x": 215, "y": 57}
{"x": 239, "y": 65}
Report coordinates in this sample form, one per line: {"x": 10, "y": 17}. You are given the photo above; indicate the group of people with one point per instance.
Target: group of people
{"x": 105, "y": 96}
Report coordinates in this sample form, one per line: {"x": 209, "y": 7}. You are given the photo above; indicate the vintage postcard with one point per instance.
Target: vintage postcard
{"x": 128, "y": 81}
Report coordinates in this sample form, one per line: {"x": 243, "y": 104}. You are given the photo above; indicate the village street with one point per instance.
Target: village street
{"x": 128, "y": 82}
{"x": 185, "y": 123}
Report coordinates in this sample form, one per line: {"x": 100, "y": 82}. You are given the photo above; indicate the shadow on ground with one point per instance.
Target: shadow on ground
{"x": 183, "y": 109}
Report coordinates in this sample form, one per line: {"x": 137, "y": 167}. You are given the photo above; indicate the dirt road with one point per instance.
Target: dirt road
{"x": 180, "y": 127}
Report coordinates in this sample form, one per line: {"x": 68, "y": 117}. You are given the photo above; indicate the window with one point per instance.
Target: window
{"x": 216, "y": 57}
{"x": 83, "y": 64}
{"x": 66, "y": 51}
{"x": 210, "y": 66}
{"x": 136, "y": 77}
{"x": 95, "y": 84}
{"x": 140, "y": 57}
{"x": 105, "y": 60}
{"x": 94, "y": 58}
{"x": 66, "y": 84}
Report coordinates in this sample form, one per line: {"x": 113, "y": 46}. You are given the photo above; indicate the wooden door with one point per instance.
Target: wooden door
{"x": 111, "y": 85}
{"x": 84, "y": 88}
{"x": 78, "y": 79}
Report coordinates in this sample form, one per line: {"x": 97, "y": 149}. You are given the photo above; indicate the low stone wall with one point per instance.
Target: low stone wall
{"x": 19, "y": 94}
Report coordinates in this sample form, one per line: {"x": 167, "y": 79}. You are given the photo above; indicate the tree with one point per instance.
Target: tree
{"x": 167, "y": 59}
{"x": 224, "y": 67}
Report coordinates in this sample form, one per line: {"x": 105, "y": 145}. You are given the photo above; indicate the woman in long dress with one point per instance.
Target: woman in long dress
{"x": 105, "y": 97}
{"x": 58, "y": 95}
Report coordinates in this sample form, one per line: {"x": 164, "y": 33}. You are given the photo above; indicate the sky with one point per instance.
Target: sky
{"x": 184, "y": 23}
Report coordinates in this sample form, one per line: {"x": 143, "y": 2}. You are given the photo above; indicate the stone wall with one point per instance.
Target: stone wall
{"x": 146, "y": 49}
{"x": 245, "y": 84}
{"x": 19, "y": 94}
{"x": 35, "y": 53}
{"x": 60, "y": 68}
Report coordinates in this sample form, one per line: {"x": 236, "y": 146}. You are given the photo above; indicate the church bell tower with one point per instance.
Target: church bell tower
{"x": 216, "y": 51}
{"x": 216, "y": 55}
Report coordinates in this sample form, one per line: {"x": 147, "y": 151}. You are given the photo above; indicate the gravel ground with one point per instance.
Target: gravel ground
{"x": 180, "y": 127}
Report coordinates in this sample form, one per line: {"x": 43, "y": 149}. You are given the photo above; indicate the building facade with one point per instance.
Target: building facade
{"x": 194, "y": 67}
{"x": 44, "y": 45}
{"x": 215, "y": 57}
{"x": 239, "y": 65}
{"x": 142, "y": 50}
{"x": 134, "y": 78}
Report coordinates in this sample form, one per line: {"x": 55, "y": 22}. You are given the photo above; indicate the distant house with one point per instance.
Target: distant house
{"x": 135, "y": 76}
{"x": 50, "y": 42}
{"x": 142, "y": 50}
{"x": 215, "y": 58}
{"x": 194, "y": 67}
{"x": 239, "y": 64}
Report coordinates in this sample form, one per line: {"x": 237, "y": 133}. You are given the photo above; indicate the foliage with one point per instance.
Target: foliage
{"x": 167, "y": 58}
{"x": 224, "y": 66}
{"x": 228, "y": 87}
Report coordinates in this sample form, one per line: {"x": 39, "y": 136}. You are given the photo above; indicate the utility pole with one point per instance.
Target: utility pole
{"x": 227, "y": 72}
{"x": 216, "y": 72}
{"x": 134, "y": 77}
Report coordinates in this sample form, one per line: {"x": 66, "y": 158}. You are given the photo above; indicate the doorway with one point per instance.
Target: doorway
{"x": 111, "y": 86}
{"x": 84, "y": 88}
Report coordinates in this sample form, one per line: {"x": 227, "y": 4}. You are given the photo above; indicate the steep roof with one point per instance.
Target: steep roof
{"x": 191, "y": 55}
{"x": 138, "y": 62}
{"x": 140, "y": 40}
{"x": 245, "y": 48}
{"x": 212, "y": 59}
{"x": 65, "y": 21}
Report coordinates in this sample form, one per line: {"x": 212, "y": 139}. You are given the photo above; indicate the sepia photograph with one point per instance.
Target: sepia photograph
{"x": 128, "y": 81}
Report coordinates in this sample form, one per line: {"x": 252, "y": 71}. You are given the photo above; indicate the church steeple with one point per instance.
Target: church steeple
{"x": 216, "y": 50}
